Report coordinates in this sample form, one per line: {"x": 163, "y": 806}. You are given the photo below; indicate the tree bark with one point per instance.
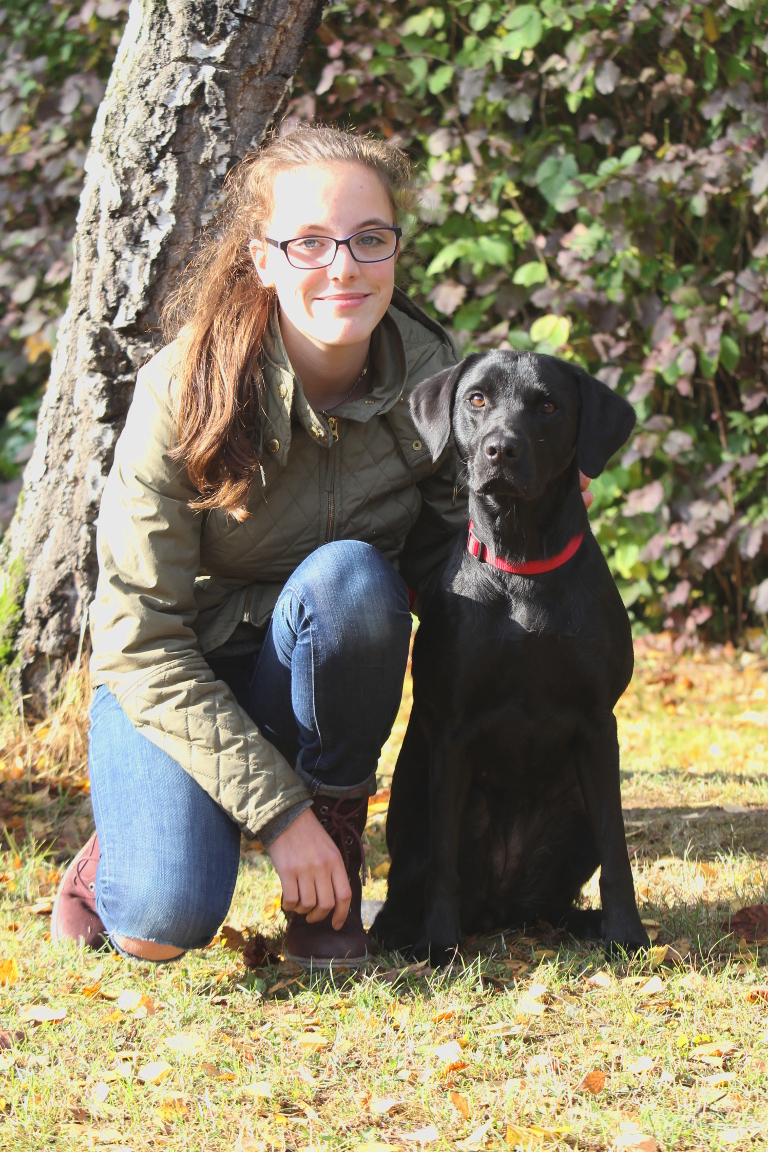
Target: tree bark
{"x": 194, "y": 86}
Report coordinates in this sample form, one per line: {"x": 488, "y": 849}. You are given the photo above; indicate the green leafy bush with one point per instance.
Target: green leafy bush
{"x": 595, "y": 185}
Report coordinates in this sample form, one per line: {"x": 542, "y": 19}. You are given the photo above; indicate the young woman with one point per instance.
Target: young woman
{"x": 269, "y": 505}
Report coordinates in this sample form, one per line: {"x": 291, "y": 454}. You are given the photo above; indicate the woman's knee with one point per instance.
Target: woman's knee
{"x": 350, "y": 584}
{"x": 156, "y": 917}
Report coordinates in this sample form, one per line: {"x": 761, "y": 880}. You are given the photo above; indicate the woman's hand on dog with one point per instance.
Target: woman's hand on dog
{"x": 311, "y": 871}
{"x": 584, "y": 483}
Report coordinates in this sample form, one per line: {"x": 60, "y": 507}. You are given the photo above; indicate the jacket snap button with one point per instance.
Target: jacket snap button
{"x": 417, "y": 445}
{"x": 274, "y": 445}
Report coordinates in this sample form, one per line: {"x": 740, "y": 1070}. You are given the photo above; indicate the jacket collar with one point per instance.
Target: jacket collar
{"x": 284, "y": 396}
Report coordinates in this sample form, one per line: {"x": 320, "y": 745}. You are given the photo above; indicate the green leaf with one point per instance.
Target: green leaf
{"x": 553, "y": 174}
{"x": 468, "y": 318}
{"x": 495, "y": 249}
{"x": 449, "y": 255}
{"x": 630, "y": 156}
{"x": 528, "y": 274}
{"x": 736, "y": 70}
{"x": 730, "y": 353}
{"x": 708, "y": 365}
{"x": 525, "y": 31}
{"x": 554, "y": 330}
{"x": 710, "y": 67}
{"x": 440, "y": 79}
{"x": 481, "y": 17}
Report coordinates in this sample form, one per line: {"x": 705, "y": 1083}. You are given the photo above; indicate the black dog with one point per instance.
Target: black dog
{"x": 506, "y": 796}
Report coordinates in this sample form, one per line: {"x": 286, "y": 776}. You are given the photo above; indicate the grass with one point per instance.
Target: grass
{"x": 525, "y": 1042}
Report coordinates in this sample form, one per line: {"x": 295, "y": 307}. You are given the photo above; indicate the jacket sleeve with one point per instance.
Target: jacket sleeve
{"x": 144, "y": 645}
{"x": 443, "y": 514}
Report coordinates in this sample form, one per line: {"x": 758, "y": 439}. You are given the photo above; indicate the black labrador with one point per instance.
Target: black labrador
{"x": 506, "y": 795}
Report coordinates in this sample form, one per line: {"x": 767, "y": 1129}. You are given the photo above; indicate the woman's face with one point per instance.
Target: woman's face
{"x": 343, "y": 303}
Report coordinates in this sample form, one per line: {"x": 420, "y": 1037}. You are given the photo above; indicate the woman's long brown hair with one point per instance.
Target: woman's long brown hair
{"x": 220, "y": 310}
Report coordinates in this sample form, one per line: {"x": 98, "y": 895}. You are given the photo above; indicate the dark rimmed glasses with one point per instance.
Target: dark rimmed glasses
{"x": 367, "y": 247}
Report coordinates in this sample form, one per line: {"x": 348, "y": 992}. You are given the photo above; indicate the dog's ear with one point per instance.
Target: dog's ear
{"x": 431, "y": 405}
{"x": 605, "y": 424}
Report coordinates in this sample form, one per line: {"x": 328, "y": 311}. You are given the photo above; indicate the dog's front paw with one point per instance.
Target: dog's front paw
{"x": 625, "y": 935}
{"x": 440, "y": 938}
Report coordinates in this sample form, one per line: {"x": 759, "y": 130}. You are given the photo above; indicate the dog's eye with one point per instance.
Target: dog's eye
{"x": 548, "y": 407}
{"x": 477, "y": 400}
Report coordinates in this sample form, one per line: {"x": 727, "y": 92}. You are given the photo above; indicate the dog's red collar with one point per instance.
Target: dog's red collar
{"x": 529, "y": 567}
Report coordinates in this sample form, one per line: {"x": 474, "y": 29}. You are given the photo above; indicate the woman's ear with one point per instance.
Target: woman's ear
{"x": 431, "y": 405}
{"x": 258, "y": 250}
{"x": 606, "y": 423}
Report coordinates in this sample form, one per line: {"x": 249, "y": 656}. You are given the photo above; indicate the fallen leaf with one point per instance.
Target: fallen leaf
{"x": 154, "y": 1072}
{"x": 128, "y": 1001}
{"x": 258, "y": 951}
{"x": 116, "y": 1016}
{"x": 421, "y": 1136}
{"x": 145, "y": 1007}
{"x": 378, "y": 1146}
{"x": 751, "y": 923}
{"x": 439, "y": 1017}
{"x": 658, "y": 955}
{"x": 448, "y": 1053}
{"x": 7, "y": 1038}
{"x": 716, "y": 1048}
{"x": 90, "y": 991}
{"x": 381, "y": 871}
{"x": 382, "y": 1105}
{"x": 232, "y": 938}
{"x": 636, "y": 1141}
{"x": 476, "y": 1139}
{"x": 171, "y": 1110}
{"x": 99, "y": 1092}
{"x": 40, "y": 1014}
{"x": 186, "y": 1043}
{"x": 460, "y": 1103}
{"x": 641, "y": 1065}
{"x": 718, "y": 1078}
{"x": 304, "y": 1074}
{"x": 651, "y": 987}
{"x": 593, "y": 1082}
{"x": 754, "y": 995}
{"x": 529, "y": 1137}
{"x": 9, "y": 972}
{"x": 261, "y": 1089}
{"x": 312, "y": 1041}
{"x": 104, "y": 1135}
{"x": 602, "y": 979}
{"x": 41, "y": 907}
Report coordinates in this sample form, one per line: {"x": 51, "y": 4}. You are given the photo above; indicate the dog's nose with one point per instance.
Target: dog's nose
{"x": 502, "y": 449}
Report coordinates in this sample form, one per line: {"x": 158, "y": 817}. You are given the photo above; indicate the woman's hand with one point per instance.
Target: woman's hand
{"x": 311, "y": 871}
{"x": 584, "y": 483}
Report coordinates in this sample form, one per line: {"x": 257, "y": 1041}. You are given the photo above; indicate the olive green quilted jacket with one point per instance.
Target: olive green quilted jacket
{"x": 174, "y": 584}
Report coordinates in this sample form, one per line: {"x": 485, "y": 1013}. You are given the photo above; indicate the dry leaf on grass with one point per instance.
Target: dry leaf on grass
{"x": 312, "y": 1041}
{"x": 174, "y": 1109}
{"x": 261, "y": 1089}
{"x": 530, "y": 1137}
{"x": 258, "y": 952}
{"x": 651, "y": 987}
{"x": 635, "y": 1142}
{"x": 99, "y": 1092}
{"x": 378, "y": 1146}
{"x": 530, "y": 1003}
{"x": 593, "y": 1082}
{"x": 448, "y": 1014}
{"x": 460, "y": 1103}
{"x": 154, "y": 1072}
{"x": 717, "y": 1079}
{"x": 381, "y": 871}
{"x": 382, "y": 1105}
{"x": 476, "y": 1139}
{"x": 449, "y": 1053}
{"x": 41, "y": 1014}
{"x": 641, "y": 1065}
{"x": 9, "y": 972}
{"x": 602, "y": 979}
{"x": 232, "y": 938}
{"x": 755, "y": 995}
{"x": 420, "y": 1136}
{"x": 750, "y": 923}
{"x": 185, "y": 1043}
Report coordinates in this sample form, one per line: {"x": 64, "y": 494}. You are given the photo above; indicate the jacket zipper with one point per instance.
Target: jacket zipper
{"x": 333, "y": 424}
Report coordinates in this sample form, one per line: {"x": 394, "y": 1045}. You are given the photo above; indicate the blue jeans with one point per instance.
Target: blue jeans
{"x": 324, "y": 687}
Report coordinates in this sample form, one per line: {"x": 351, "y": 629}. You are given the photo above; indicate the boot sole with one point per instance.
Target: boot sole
{"x": 339, "y": 961}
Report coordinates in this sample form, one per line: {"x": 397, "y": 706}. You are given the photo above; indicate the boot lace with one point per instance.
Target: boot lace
{"x": 83, "y": 863}
{"x": 340, "y": 824}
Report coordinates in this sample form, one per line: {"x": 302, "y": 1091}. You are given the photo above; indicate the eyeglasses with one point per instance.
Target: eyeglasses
{"x": 367, "y": 247}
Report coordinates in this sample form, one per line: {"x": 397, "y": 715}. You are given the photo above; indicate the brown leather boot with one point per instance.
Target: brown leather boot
{"x": 319, "y": 945}
{"x": 74, "y": 915}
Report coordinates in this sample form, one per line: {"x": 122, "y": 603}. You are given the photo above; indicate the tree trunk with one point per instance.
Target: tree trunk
{"x": 194, "y": 86}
